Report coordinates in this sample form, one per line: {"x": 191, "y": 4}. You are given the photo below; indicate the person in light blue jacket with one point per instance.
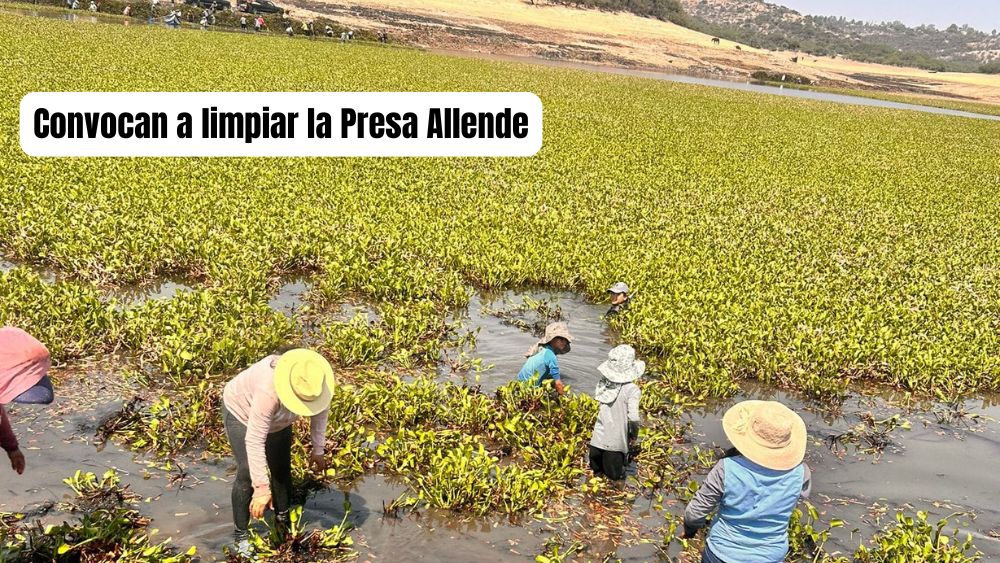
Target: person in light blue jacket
{"x": 754, "y": 488}
{"x": 542, "y": 363}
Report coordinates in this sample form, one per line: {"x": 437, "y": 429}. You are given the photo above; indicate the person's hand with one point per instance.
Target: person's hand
{"x": 16, "y": 461}
{"x": 259, "y": 504}
{"x": 318, "y": 462}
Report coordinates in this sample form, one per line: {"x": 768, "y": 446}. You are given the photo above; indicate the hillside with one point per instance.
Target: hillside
{"x": 771, "y": 26}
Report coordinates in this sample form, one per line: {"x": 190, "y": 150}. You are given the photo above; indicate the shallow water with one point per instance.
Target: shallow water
{"x": 930, "y": 464}
{"x": 503, "y": 346}
{"x": 166, "y": 288}
{"x": 291, "y": 296}
{"x": 746, "y": 86}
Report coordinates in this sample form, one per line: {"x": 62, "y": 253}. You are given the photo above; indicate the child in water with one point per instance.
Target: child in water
{"x": 542, "y": 363}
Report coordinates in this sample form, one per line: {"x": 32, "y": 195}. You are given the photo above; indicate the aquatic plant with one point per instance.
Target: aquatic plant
{"x": 109, "y": 528}
{"x": 914, "y": 538}
{"x": 297, "y": 543}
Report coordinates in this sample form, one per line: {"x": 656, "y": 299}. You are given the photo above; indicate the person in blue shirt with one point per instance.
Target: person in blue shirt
{"x": 754, "y": 488}
{"x": 542, "y": 363}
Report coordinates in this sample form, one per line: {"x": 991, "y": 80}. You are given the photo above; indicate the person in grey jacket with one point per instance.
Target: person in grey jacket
{"x": 617, "y": 423}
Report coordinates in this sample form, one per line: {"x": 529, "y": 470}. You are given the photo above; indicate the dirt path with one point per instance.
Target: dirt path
{"x": 524, "y": 28}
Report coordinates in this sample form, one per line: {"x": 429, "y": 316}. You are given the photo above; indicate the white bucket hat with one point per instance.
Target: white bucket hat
{"x": 767, "y": 433}
{"x": 621, "y": 365}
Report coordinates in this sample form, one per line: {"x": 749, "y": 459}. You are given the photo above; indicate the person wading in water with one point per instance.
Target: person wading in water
{"x": 617, "y": 424}
{"x": 261, "y": 404}
{"x": 620, "y": 299}
{"x": 542, "y": 364}
{"x": 755, "y": 488}
{"x": 24, "y": 367}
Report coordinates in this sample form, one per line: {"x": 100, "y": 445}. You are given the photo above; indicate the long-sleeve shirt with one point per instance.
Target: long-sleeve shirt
{"x": 709, "y": 496}
{"x": 252, "y": 399}
{"x": 8, "y": 441}
{"x": 611, "y": 428}
{"x": 543, "y": 364}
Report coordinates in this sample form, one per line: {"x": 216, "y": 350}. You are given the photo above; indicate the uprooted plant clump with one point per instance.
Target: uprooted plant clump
{"x": 107, "y": 527}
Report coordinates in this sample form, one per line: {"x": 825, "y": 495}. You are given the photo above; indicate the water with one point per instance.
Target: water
{"x": 744, "y": 86}
{"x": 291, "y": 295}
{"x": 165, "y": 288}
{"x": 935, "y": 467}
{"x": 503, "y": 346}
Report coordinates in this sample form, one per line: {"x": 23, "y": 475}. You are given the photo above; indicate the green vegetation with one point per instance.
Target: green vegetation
{"x": 803, "y": 244}
{"x": 109, "y": 528}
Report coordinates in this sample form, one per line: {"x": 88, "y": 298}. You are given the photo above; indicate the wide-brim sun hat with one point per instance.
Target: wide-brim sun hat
{"x": 767, "y": 433}
{"x": 621, "y": 365}
{"x": 556, "y": 330}
{"x": 304, "y": 381}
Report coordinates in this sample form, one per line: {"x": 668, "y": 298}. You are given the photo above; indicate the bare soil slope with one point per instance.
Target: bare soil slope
{"x": 520, "y": 27}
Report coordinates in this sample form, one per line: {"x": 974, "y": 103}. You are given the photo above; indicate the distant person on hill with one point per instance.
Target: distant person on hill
{"x": 127, "y": 11}
{"x": 617, "y": 425}
{"x": 204, "y": 23}
{"x": 289, "y": 30}
{"x": 754, "y": 491}
{"x": 24, "y": 366}
{"x": 258, "y": 24}
{"x": 328, "y": 30}
{"x": 620, "y": 299}
{"x": 261, "y": 405}
{"x": 542, "y": 363}
{"x": 243, "y": 24}
{"x": 93, "y": 6}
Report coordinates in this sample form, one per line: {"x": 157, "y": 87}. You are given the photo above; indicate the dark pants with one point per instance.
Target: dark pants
{"x": 278, "y": 450}
{"x": 608, "y": 464}
{"x": 708, "y": 557}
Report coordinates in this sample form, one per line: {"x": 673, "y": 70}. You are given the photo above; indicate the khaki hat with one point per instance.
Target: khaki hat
{"x": 552, "y": 331}
{"x": 767, "y": 433}
{"x": 304, "y": 382}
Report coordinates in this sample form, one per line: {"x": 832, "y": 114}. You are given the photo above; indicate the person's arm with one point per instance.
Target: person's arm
{"x": 317, "y": 429}
{"x": 8, "y": 441}
{"x": 633, "y": 413}
{"x": 705, "y": 501}
{"x": 262, "y": 409}
{"x": 552, "y": 363}
{"x": 806, "y": 481}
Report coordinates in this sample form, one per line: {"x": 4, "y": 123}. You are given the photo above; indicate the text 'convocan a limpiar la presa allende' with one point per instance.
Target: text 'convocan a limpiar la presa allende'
{"x": 439, "y": 123}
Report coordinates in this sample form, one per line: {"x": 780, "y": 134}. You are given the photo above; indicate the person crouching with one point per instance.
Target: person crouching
{"x": 542, "y": 363}
{"x": 755, "y": 488}
{"x": 617, "y": 424}
{"x": 261, "y": 404}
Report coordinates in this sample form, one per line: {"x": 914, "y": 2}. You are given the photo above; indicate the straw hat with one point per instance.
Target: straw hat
{"x": 767, "y": 433}
{"x": 621, "y": 365}
{"x": 304, "y": 382}
{"x": 552, "y": 331}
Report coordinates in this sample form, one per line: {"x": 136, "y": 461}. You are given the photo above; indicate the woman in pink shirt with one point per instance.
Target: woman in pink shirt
{"x": 261, "y": 404}
{"x": 24, "y": 364}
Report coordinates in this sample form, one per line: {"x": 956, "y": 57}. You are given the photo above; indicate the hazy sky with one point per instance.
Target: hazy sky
{"x": 980, "y": 14}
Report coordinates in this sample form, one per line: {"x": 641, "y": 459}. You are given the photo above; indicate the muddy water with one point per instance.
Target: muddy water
{"x": 503, "y": 346}
{"x": 291, "y": 296}
{"x": 936, "y": 467}
{"x": 135, "y": 295}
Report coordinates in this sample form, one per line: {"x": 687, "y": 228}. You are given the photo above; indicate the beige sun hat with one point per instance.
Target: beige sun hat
{"x": 304, "y": 381}
{"x": 767, "y": 433}
{"x": 552, "y": 331}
